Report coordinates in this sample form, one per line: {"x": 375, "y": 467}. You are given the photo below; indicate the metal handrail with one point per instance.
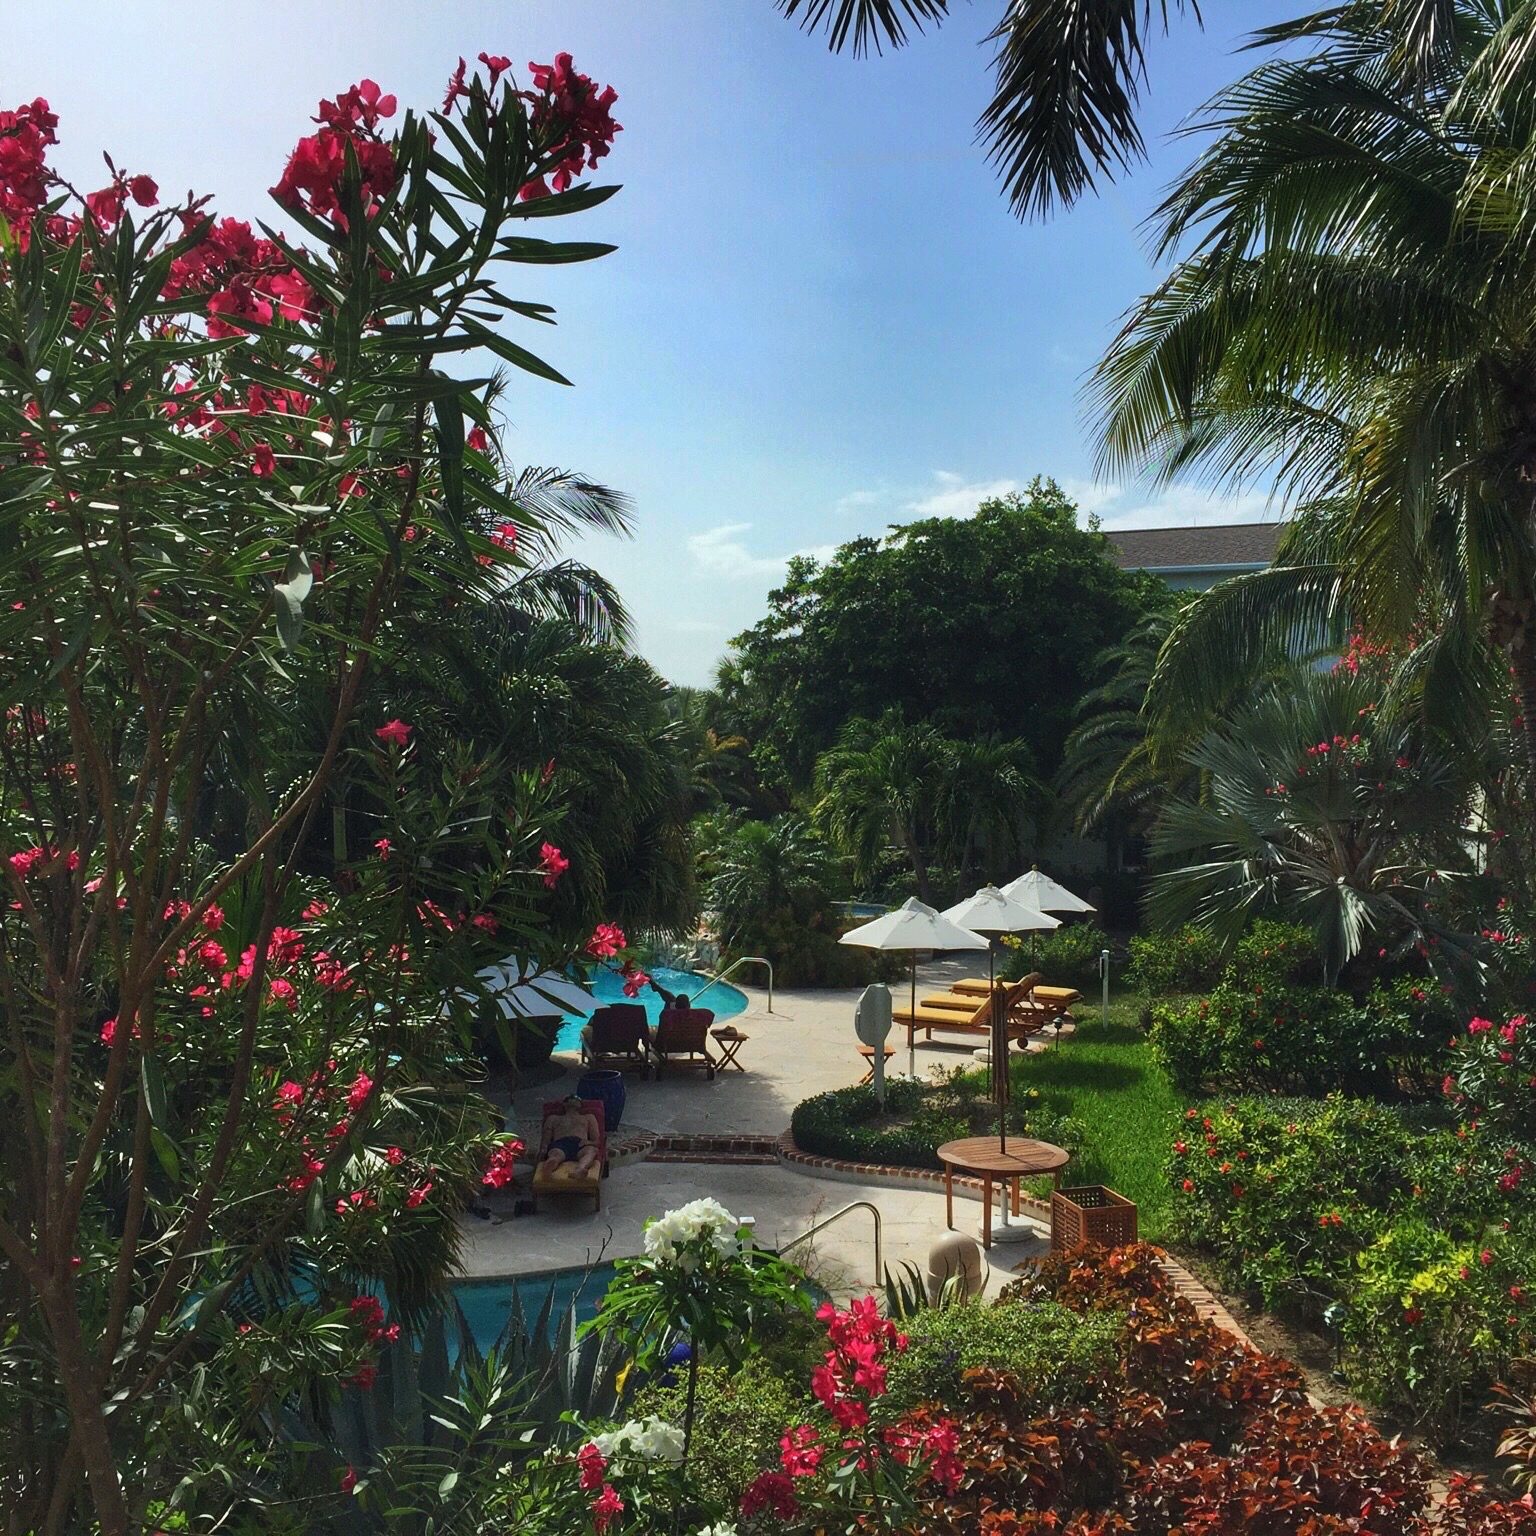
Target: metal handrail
{"x": 826, "y": 1221}
{"x": 740, "y": 960}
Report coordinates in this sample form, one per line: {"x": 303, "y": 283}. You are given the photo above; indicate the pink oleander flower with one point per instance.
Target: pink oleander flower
{"x": 553, "y": 863}
{"x": 395, "y": 733}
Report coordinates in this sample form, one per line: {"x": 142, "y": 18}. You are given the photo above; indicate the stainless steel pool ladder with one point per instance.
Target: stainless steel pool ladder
{"x": 826, "y": 1221}
{"x": 740, "y": 960}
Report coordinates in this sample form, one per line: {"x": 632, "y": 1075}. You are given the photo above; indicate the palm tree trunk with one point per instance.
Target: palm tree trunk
{"x": 919, "y": 865}
{"x": 1522, "y": 660}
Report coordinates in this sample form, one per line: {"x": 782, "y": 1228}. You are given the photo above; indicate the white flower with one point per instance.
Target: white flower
{"x": 723, "y": 1529}
{"x": 699, "y": 1219}
{"x": 650, "y": 1438}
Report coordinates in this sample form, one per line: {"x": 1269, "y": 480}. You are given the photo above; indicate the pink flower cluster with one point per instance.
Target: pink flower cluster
{"x": 606, "y": 941}
{"x": 25, "y": 136}
{"x": 591, "y": 1468}
{"x": 553, "y": 863}
{"x": 501, "y": 1165}
{"x": 571, "y": 121}
{"x": 312, "y": 178}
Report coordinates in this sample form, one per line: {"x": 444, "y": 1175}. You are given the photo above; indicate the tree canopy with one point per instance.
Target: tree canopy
{"x": 979, "y": 626}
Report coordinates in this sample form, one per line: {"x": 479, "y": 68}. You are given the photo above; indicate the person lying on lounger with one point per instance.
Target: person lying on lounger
{"x": 569, "y": 1137}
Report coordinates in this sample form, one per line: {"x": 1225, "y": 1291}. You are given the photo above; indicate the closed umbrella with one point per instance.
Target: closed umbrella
{"x": 992, "y": 911}
{"x": 913, "y": 926}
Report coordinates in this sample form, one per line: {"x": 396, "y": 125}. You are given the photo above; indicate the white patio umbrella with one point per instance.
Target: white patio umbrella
{"x": 913, "y": 926}
{"x": 1040, "y": 891}
{"x": 521, "y": 991}
{"x": 992, "y": 912}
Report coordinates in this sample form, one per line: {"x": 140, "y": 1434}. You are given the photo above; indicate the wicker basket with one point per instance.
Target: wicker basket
{"x": 1092, "y": 1214}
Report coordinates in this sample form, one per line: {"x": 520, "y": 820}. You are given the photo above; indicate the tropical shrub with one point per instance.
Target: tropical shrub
{"x": 1269, "y": 1026}
{"x": 739, "y": 1417}
{"x": 1067, "y": 956}
{"x": 1056, "y": 1357}
{"x": 1414, "y": 1241}
{"x": 1189, "y": 960}
{"x": 1492, "y": 1076}
{"x": 918, "y": 1118}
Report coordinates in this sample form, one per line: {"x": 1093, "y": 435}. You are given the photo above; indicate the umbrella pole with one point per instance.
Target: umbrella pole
{"x": 999, "y": 1052}
{"x": 912, "y": 1025}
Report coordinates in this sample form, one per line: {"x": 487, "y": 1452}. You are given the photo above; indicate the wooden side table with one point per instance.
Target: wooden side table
{"x": 868, "y": 1053}
{"x": 730, "y": 1040}
{"x": 980, "y": 1157}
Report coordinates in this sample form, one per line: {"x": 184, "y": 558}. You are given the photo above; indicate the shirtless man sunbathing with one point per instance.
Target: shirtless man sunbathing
{"x": 569, "y": 1137}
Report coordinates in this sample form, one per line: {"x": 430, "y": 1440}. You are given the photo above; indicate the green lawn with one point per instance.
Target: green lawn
{"x": 1106, "y": 1076}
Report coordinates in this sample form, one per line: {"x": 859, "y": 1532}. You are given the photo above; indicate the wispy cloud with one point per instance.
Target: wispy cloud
{"x": 1132, "y": 506}
{"x": 955, "y": 496}
{"x": 859, "y": 501}
{"x": 724, "y": 553}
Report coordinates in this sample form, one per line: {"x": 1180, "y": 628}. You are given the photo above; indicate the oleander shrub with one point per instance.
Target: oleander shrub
{"x": 919, "y": 1117}
{"x": 1492, "y": 1076}
{"x": 1187, "y": 961}
{"x": 1057, "y": 1357}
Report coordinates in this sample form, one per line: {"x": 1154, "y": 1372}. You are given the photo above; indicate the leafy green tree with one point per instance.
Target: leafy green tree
{"x": 229, "y": 1107}
{"x": 1319, "y": 809}
{"x": 1352, "y": 315}
{"x": 986, "y": 792}
{"x": 766, "y": 869}
{"x": 981, "y": 626}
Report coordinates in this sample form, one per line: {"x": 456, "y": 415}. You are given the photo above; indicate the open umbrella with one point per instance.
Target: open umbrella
{"x": 1046, "y": 895}
{"x": 521, "y": 990}
{"x": 992, "y": 911}
{"x": 913, "y": 926}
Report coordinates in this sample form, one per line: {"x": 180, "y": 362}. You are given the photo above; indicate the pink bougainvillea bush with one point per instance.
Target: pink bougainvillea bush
{"x": 242, "y": 453}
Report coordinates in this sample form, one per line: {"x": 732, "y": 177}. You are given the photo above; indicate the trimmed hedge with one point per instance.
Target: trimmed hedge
{"x": 1057, "y": 1357}
{"x": 919, "y": 1117}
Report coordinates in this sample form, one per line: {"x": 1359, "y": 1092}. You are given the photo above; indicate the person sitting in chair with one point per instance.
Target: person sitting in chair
{"x": 569, "y": 1137}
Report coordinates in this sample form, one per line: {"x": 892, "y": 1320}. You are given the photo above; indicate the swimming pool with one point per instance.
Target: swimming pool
{"x": 487, "y": 1304}
{"x": 608, "y": 987}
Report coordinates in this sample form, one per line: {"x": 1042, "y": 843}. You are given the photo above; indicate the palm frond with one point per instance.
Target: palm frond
{"x": 1066, "y": 78}
{"x": 868, "y": 23}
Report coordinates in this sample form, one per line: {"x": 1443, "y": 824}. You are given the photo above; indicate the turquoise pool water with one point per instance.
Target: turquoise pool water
{"x": 487, "y": 1304}
{"x": 608, "y": 987}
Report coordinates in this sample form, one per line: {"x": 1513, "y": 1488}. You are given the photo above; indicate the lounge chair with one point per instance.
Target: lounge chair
{"x": 617, "y": 1038}
{"x": 565, "y": 1182}
{"x": 1056, "y": 1001}
{"x": 681, "y": 1039}
{"x": 1021, "y": 1019}
{"x": 965, "y": 1002}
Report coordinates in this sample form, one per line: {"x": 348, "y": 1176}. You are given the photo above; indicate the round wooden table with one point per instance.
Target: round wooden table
{"x": 979, "y": 1157}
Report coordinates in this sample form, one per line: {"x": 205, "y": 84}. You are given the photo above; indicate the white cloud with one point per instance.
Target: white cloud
{"x": 1131, "y": 506}
{"x": 722, "y": 552}
{"x": 857, "y": 501}
{"x": 955, "y": 496}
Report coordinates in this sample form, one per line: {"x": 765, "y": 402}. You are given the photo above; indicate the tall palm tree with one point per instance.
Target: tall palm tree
{"x": 1068, "y": 74}
{"x": 1353, "y": 315}
{"x": 881, "y": 784}
{"x": 1112, "y": 775}
{"x": 986, "y": 791}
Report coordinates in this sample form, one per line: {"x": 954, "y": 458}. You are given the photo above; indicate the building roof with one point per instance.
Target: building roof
{"x": 1200, "y": 547}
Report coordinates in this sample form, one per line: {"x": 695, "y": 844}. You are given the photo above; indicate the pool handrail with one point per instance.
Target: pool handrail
{"x": 739, "y": 960}
{"x": 826, "y": 1221}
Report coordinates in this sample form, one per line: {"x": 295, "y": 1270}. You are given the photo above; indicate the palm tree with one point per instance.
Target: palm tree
{"x": 768, "y": 870}
{"x": 1112, "y": 775}
{"x": 881, "y": 784}
{"x": 986, "y": 791}
{"x": 1354, "y": 316}
{"x": 1319, "y": 809}
{"x": 1067, "y": 74}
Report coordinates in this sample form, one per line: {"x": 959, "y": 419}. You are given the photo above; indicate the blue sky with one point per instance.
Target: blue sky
{"x": 821, "y": 319}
